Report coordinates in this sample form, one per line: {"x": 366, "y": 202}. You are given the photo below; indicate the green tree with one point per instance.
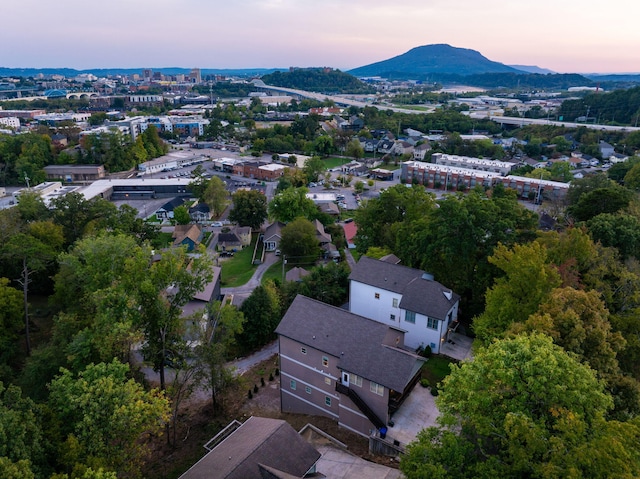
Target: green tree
{"x": 169, "y": 284}
{"x": 455, "y": 240}
{"x": 600, "y": 200}
{"x": 217, "y": 338}
{"x": 299, "y": 242}
{"x": 249, "y": 208}
{"x": 380, "y": 218}
{"x": 16, "y": 470}
{"x": 354, "y": 149}
{"x": 527, "y": 282}
{"x": 181, "y": 215}
{"x": 522, "y": 408}
{"x": 323, "y": 145}
{"x": 290, "y": 204}
{"x": 578, "y": 321}
{"x": 313, "y": 168}
{"x": 97, "y": 118}
{"x": 215, "y": 196}
{"x": 11, "y": 322}
{"x": 21, "y": 437}
{"x": 105, "y": 414}
{"x": 32, "y": 208}
{"x": 262, "y": 312}
{"x": 33, "y": 255}
{"x": 329, "y": 284}
{"x": 620, "y": 231}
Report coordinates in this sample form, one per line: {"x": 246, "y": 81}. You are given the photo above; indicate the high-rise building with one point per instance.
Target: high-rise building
{"x": 195, "y": 75}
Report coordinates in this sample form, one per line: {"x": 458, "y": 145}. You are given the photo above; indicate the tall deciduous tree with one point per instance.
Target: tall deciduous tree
{"x": 292, "y": 203}
{"x": 299, "y": 242}
{"x": 262, "y": 312}
{"x": 523, "y": 408}
{"x": 216, "y": 338}
{"x": 215, "y": 196}
{"x": 313, "y": 168}
{"x": 249, "y": 208}
{"x": 104, "y": 414}
{"x": 169, "y": 284}
{"x": 527, "y": 283}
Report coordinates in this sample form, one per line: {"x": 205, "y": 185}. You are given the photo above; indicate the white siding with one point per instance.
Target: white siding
{"x": 363, "y": 301}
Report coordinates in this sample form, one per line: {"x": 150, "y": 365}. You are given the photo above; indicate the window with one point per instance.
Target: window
{"x": 395, "y": 302}
{"x": 377, "y": 295}
{"x": 327, "y": 381}
{"x": 357, "y": 380}
{"x": 432, "y": 323}
{"x": 303, "y": 350}
{"x": 325, "y": 361}
{"x": 293, "y": 384}
{"x": 376, "y": 388}
{"x": 410, "y": 317}
{"x": 392, "y": 317}
{"x": 307, "y": 389}
{"x": 327, "y": 401}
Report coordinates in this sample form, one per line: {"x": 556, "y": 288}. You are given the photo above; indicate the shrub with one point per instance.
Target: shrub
{"x": 424, "y": 382}
{"x": 250, "y": 395}
{"x": 255, "y": 388}
{"x": 434, "y": 391}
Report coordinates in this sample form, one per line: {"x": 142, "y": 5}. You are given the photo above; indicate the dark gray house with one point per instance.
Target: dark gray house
{"x": 340, "y": 365}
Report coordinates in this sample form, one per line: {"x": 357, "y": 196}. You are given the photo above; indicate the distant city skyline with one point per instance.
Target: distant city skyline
{"x": 567, "y": 36}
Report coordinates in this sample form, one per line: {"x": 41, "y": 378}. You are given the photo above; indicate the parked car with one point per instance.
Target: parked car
{"x": 217, "y": 224}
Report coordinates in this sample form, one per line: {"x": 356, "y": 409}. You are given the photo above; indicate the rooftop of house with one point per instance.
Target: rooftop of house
{"x": 191, "y": 231}
{"x": 274, "y": 229}
{"x": 340, "y": 334}
{"x": 258, "y": 445}
{"x": 420, "y": 292}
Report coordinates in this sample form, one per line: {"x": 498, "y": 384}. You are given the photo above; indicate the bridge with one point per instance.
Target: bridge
{"x": 513, "y": 121}
{"x": 338, "y": 100}
{"x": 79, "y": 95}
{"x": 481, "y": 115}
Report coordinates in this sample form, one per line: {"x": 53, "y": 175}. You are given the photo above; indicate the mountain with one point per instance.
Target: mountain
{"x": 434, "y": 59}
{"x": 532, "y": 69}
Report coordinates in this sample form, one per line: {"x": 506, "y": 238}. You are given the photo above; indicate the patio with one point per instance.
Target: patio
{"x": 417, "y": 412}
{"x": 457, "y": 347}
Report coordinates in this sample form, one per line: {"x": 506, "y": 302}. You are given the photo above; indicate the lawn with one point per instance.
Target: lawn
{"x": 238, "y": 270}
{"x": 436, "y": 369}
{"x": 275, "y": 272}
{"x": 335, "y": 161}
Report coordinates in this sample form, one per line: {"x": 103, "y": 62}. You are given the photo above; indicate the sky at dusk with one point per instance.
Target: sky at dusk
{"x": 566, "y": 36}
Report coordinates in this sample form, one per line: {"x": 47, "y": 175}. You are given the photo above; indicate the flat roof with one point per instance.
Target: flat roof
{"x": 101, "y": 186}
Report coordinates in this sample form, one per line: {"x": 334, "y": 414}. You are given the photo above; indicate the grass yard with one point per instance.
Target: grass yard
{"x": 275, "y": 272}
{"x": 238, "y": 270}
{"x": 436, "y": 369}
{"x": 333, "y": 162}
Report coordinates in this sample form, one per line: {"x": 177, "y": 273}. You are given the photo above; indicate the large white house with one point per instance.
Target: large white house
{"x": 405, "y": 298}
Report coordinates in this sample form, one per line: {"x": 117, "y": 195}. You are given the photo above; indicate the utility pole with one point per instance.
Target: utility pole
{"x": 284, "y": 261}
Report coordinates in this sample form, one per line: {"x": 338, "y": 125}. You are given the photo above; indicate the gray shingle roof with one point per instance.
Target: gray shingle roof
{"x": 259, "y": 441}
{"x": 419, "y": 293}
{"x": 356, "y": 340}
